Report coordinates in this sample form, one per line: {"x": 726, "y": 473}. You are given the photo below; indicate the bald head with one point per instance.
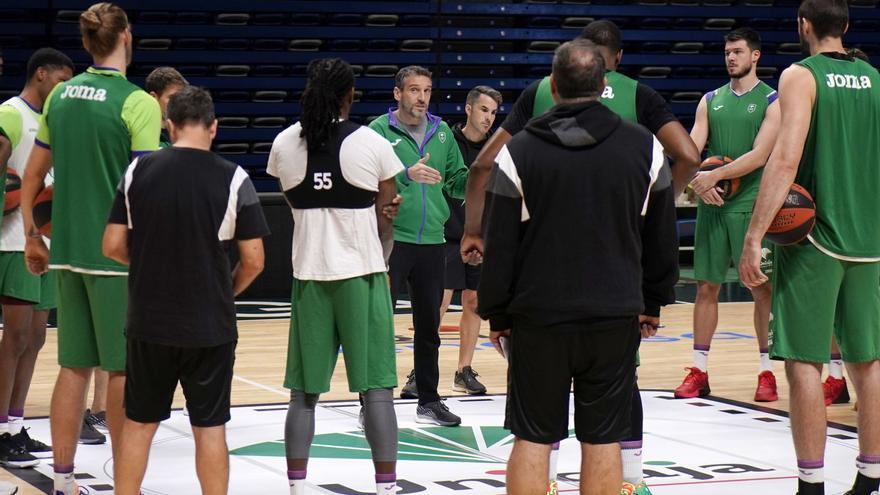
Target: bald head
{"x": 578, "y": 70}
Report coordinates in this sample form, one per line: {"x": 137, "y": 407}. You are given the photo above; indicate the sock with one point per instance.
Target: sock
{"x": 869, "y": 466}
{"x": 386, "y": 484}
{"x": 766, "y": 364}
{"x": 631, "y": 455}
{"x": 811, "y": 473}
{"x": 64, "y": 481}
{"x": 554, "y": 460}
{"x": 297, "y": 481}
{"x": 701, "y": 357}
{"x": 835, "y": 366}
{"x": 16, "y": 421}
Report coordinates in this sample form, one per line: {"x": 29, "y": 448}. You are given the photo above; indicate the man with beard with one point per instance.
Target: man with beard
{"x": 739, "y": 120}
{"x": 481, "y": 107}
{"x": 830, "y": 107}
{"x": 425, "y": 145}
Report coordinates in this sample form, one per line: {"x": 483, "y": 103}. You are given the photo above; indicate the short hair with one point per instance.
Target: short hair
{"x": 161, "y": 78}
{"x": 410, "y": 70}
{"x": 191, "y": 105}
{"x": 749, "y": 35}
{"x": 474, "y": 94}
{"x": 100, "y": 26}
{"x": 578, "y": 70}
{"x": 48, "y": 59}
{"x": 603, "y": 33}
{"x": 828, "y": 17}
{"x": 859, "y": 54}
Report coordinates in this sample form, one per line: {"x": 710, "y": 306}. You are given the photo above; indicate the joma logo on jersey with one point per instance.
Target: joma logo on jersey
{"x": 608, "y": 93}
{"x": 84, "y": 93}
{"x": 847, "y": 81}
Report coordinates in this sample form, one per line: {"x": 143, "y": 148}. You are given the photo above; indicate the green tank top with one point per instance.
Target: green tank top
{"x": 93, "y": 124}
{"x": 619, "y": 96}
{"x": 839, "y": 164}
{"x": 734, "y": 122}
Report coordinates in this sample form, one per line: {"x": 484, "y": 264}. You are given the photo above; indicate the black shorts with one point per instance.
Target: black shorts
{"x": 153, "y": 370}
{"x": 459, "y": 275}
{"x": 599, "y": 357}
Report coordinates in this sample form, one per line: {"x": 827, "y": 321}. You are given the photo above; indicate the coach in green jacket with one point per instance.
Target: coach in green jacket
{"x": 426, "y": 146}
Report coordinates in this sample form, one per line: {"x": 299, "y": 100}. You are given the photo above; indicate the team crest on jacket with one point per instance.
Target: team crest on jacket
{"x": 442, "y": 136}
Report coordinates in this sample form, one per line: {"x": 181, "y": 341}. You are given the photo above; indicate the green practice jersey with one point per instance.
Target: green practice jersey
{"x": 93, "y": 124}
{"x": 619, "y": 96}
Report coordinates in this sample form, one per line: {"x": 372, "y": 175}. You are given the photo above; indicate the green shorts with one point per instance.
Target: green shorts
{"x": 91, "y": 320}
{"x": 16, "y": 281}
{"x": 355, "y": 313}
{"x": 718, "y": 243}
{"x": 815, "y": 295}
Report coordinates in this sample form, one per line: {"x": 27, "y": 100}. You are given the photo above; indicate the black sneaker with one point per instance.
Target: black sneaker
{"x": 436, "y": 413}
{"x": 88, "y": 435}
{"x": 34, "y": 447}
{"x": 409, "y": 391}
{"x": 13, "y": 455}
{"x": 99, "y": 421}
{"x": 466, "y": 381}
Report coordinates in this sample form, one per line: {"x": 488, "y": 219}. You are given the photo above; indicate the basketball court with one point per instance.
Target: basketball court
{"x": 722, "y": 444}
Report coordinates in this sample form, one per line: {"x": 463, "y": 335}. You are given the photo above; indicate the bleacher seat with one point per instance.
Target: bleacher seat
{"x": 232, "y": 19}
{"x": 232, "y": 122}
{"x": 192, "y": 18}
{"x": 154, "y": 44}
{"x": 233, "y": 70}
{"x": 269, "y": 96}
{"x": 307, "y": 45}
{"x": 576, "y": 22}
{"x": 381, "y": 70}
{"x": 416, "y": 45}
{"x": 269, "y": 44}
{"x": 191, "y": 44}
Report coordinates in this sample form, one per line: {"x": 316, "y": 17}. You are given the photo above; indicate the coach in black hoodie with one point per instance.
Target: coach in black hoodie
{"x": 573, "y": 204}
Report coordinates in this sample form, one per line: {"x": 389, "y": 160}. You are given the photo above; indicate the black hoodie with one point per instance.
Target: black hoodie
{"x": 568, "y": 218}
{"x": 469, "y": 151}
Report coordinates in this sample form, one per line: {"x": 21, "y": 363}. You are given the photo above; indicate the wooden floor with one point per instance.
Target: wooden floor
{"x": 260, "y": 363}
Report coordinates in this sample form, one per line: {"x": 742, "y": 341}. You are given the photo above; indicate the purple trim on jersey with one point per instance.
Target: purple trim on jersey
{"x": 772, "y": 97}
{"x": 709, "y": 96}
{"x": 98, "y": 67}
{"x": 36, "y": 110}
{"x": 42, "y": 144}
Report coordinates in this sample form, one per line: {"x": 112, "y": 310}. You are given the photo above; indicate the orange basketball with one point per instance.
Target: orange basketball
{"x": 43, "y": 211}
{"x": 795, "y": 219}
{"x": 12, "y": 200}
{"x": 729, "y": 186}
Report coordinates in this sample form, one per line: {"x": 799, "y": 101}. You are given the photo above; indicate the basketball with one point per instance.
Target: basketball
{"x": 12, "y": 200}
{"x": 43, "y": 211}
{"x": 729, "y": 186}
{"x": 795, "y": 219}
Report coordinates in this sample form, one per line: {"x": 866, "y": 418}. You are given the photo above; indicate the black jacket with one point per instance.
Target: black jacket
{"x": 565, "y": 236}
{"x": 469, "y": 150}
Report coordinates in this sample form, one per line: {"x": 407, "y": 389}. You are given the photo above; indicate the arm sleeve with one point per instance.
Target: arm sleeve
{"x": 142, "y": 116}
{"x": 522, "y": 109}
{"x": 250, "y": 223}
{"x": 455, "y": 183}
{"x": 659, "y": 238}
{"x": 653, "y": 111}
{"x": 504, "y": 219}
{"x": 10, "y": 124}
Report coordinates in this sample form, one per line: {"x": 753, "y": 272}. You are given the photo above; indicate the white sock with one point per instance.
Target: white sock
{"x": 554, "y": 461}
{"x": 811, "y": 471}
{"x": 835, "y": 369}
{"x": 297, "y": 481}
{"x": 4, "y": 427}
{"x": 701, "y": 359}
{"x": 16, "y": 423}
{"x": 766, "y": 364}
{"x": 65, "y": 483}
{"x": 631, "y": 457}
{"x": 869, "y": 466}
{"x": 386, "y": 488}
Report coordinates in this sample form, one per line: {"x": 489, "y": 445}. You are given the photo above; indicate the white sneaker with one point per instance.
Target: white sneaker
{"x": 7, "y": 488}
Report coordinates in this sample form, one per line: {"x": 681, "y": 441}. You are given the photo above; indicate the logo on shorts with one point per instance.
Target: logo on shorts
{"x": 442, "y": 136}
{"x": 751, "y": 108}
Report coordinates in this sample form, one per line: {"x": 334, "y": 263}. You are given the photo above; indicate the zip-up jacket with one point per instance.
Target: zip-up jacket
{"x": 424, "y": 210}
{"x": 580, "y": 222}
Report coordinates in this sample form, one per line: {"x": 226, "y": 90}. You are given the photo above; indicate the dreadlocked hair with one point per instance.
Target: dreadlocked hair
{"x": 330, "y": 81}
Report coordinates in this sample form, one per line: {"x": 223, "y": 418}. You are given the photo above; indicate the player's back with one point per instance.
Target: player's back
{"x": 839, "y": 164}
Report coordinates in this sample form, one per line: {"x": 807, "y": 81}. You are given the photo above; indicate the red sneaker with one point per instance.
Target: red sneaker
{"x": 695, "y": 384}
{"x": 835, "y": 391}
{"x": 766, "y": 391}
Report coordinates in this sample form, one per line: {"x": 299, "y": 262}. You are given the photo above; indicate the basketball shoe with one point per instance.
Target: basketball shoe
{"x": 835, "y": 391}
{"x": 766, "y": 391}
{"x": 642, "y": 489}
{"x": 627, "y": 489}
{"x": 695, "y": 384}
{"x": 554, "y": 489}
